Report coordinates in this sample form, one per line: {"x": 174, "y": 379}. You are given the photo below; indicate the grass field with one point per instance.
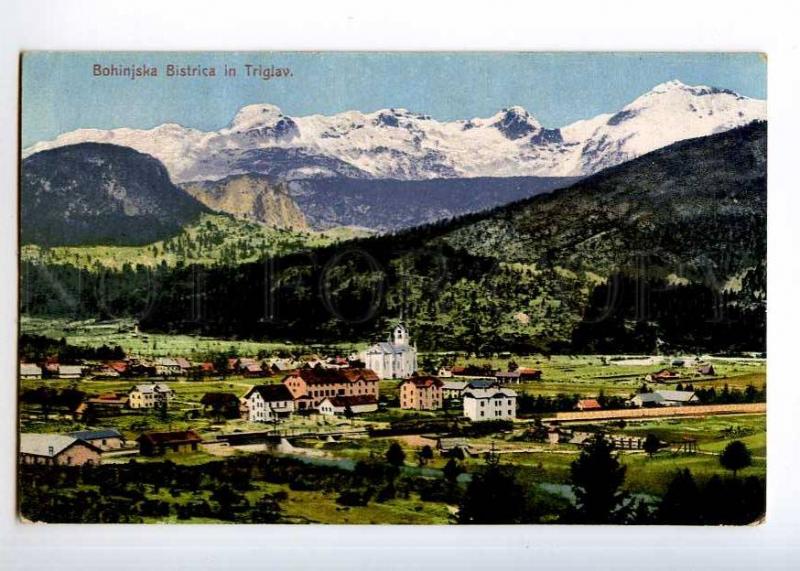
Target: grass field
{"x": 193, "y": 347}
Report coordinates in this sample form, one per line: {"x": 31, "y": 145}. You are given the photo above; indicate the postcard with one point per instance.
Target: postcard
{"x": 392, "y": 288}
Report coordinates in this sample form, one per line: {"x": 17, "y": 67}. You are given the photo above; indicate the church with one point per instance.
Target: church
{"x": 394, "y": 359}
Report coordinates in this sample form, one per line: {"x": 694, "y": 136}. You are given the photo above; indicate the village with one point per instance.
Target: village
{"x": 312, "y": 404}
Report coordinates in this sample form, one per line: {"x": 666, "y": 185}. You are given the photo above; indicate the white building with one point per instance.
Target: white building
{"x": 30, "y": 371}
{"x": 148, "y": 396}
{"x": 358, "y": 404}
{"x": 394, "y": 359}
{"x": 490, "y": 404}
{"x": 266, "y": 403}
{"x": 70, "y": 371}
{"x": 166, "y": 366}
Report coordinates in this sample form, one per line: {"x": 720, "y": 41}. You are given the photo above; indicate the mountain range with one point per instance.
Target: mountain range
{"x": 402, "y": 145}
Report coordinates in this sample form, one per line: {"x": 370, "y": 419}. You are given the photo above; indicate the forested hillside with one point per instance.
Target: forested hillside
{"x": 666, "y": 251}
{"x": 92, "y": 193}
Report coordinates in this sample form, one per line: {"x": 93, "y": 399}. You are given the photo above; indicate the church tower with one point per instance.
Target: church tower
{"x": 400, "y": 335}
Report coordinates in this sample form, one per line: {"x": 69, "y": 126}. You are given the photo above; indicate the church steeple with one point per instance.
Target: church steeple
{"x": 401, "y": 334}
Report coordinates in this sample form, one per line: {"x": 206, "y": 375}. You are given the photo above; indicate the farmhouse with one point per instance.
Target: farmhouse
{"x": 662, "y": 376}
{"x": 357, "y": 404}
{"x": 421, "y": 393}
{"x": 70, "y": 371}
{"x": 394, "y": 359}
{"x": 105, "y": 439}
{"x": 223, "y": 404}
{"x": 157, "y": 443}
{"x": 444, "y": 373}
{"x": 588, "y": 404}
{"x": 664, "y": 398}
{"x": 148, "y": 396}
{"x": 528, "y": 374}
{"x": 56, "y": 449}
{"x": 267, "y": 403}
{"x": 316, "y": 384}
{"x": 30, "y": 371}
{"x": 490, "y": 404}
{"x": 167, "y": 367}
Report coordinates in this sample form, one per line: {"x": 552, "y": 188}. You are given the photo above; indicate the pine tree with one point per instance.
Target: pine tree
{"x": 597, "y": 477}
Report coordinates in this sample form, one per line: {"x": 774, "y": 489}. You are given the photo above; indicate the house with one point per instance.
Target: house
{"x": 109, "y": 400}
{"x": 119, "y": 367}
{"x": 223, "y": 404}
{"x": 357, "y": 404}
{"x": 588, "y": 404}
{"x": 444, "y": 373}
{"x": 141, "y": 368}
{"x": 508, "y": 377}
{"x": 453, "y": 389}
{"x": 422, "y": 393}
{"x": 104, "y": 439}
{"x": 394, "y": 359}
{"x": 528, "y": 374}
{"x": 148, "y": 396}
{"x": 253, "y": 370}
{"x": 104, "y": 372}
{"x": 56, "y": 449}
{"x": 480, "y": 371}
{"x": 316, "y": 384}
{"x": 70, "y": 371}
{"x": 664, "y": 398}
{"x": 29, "y": 371}
{"x": 204, "y": 369}
{"x": 663, "y": 376}
{"x": 167, "y": 367}
{"x": 707, "y": 370}
{"x": 266, "y": 403}
{"x": 157, "y": 443}
{"x": 184, "y": 364}
{"x": 490, "y": 404}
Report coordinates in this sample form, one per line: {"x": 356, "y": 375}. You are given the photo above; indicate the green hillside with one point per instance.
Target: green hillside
{"x": 212, "y": 239}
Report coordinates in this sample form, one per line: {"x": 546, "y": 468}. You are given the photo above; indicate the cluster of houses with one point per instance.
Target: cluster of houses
{"x": 670, "y": 375}
{"x": 93, "y": 446}
{"x": 482, "y": 399}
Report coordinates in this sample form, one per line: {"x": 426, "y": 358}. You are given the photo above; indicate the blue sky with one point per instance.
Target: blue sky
{"x": 60, "y": 94}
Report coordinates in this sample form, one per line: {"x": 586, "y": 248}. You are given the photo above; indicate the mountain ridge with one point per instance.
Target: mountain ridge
{"x": 395, "y": 143}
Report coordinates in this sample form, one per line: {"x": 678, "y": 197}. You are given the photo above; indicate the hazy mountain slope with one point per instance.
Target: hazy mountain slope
{"x": 250, "y": 197}
{"x": 398, "y": 144}
{"x": 100, "y": 194}
{"x": 390, "y": 205}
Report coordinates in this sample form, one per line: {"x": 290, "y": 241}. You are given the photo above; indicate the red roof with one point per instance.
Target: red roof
{"x": 588, "y": 404}
{"x": 425, "y": 381}
{"x": 319, "y": 376}
{"x": 118, "y": 366}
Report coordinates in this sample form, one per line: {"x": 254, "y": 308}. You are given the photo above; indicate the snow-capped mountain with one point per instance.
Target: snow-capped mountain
{"x": 398, "y": 144}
